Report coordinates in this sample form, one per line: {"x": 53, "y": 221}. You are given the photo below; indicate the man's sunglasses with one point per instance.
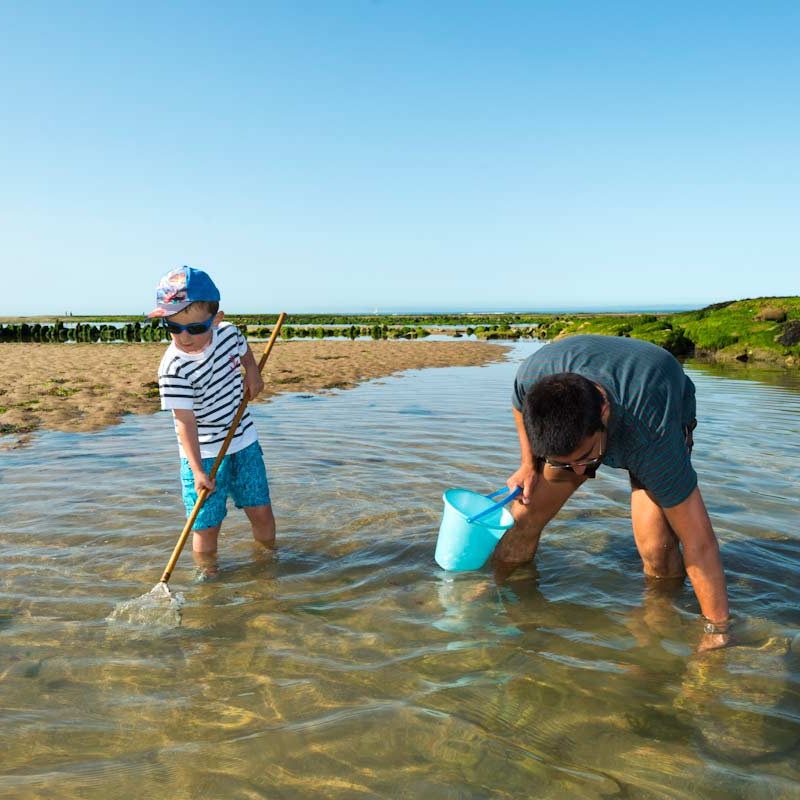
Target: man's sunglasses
{"x": 193, "y": 328}
{"x": 587, "y": 462}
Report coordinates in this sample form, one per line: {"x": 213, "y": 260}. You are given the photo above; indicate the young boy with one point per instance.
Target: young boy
{"x": 200, "y": 381}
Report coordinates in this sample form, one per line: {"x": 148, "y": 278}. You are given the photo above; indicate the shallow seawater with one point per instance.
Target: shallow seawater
{"x": 347, "y": 665}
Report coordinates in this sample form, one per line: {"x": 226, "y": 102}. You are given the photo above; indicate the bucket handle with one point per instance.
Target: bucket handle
{"x": 498, "y": 504}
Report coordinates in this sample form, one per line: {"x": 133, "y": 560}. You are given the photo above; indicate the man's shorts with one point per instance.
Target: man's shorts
{"x": 241, "y": 475}
{"x": 689, "y": 434}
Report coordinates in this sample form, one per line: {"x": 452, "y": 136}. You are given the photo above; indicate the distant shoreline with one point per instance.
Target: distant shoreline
{"x": 347, "y": 316}
{"x": 763, "y": 330}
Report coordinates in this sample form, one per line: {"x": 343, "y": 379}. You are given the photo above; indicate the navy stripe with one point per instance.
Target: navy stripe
{"x": 214, "y": 386}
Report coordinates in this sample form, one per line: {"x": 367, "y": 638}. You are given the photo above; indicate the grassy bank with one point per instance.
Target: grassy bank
{"x": 761, "y": 330}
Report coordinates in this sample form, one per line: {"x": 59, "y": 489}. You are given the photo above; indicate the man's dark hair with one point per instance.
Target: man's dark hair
{"x": 211, "y": 306}
{"x": 560, "y": 411}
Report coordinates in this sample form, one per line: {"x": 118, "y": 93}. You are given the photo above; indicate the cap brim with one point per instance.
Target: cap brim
{"x": 169, "y": 310}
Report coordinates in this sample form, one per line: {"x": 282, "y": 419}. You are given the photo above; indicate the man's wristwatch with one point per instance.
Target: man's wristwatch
{"x": 716, "y": 627}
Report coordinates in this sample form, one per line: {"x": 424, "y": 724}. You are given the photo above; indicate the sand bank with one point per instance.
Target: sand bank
{"x": 85, "y": 387}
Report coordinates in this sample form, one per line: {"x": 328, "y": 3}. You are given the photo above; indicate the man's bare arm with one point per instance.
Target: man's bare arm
{"x": 526, "y": 475}
{"x": 701, "y": 555}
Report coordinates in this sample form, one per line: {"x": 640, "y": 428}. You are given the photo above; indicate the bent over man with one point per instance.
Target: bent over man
{"x": 584, "y": 401}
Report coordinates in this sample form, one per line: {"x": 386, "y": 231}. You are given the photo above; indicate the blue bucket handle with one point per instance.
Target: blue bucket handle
{"x": 498, "y": 504}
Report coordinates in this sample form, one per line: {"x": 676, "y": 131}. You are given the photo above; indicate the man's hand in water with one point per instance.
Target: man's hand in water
{"x": 714, "y": 641}
{"x": 526, "y": 477}
{"x": 716, "y": 635}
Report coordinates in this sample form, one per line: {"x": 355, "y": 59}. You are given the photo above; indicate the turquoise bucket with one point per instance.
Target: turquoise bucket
{"x": 472, "y": 525}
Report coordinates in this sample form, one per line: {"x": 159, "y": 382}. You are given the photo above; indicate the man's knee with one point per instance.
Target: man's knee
{"x": 527, "y": 517}
{"x": 656, "y": 542}
{"x": 661, "y": 557}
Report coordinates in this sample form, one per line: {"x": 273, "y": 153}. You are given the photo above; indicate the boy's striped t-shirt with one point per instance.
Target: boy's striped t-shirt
{"x": 210, "y": 384}
{"x": 652, "y": 403}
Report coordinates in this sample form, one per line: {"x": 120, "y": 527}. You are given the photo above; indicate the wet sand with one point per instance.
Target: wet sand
{"x": 85, "y": 387}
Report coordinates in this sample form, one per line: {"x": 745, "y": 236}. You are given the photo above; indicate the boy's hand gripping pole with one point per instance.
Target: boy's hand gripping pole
{"x": 203, "y": 494}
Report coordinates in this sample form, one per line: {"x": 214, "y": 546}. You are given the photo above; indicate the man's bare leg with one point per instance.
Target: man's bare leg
{"x": 656, "y": 542}
{"x": 519, "y": 545}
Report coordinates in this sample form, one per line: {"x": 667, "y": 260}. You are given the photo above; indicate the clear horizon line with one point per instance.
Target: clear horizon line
{"x": 461, "y": 309}
{"x": 411, "y": 310}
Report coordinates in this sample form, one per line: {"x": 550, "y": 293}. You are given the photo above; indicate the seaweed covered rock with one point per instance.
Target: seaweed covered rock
{"x": 790, "y": 335}
{"x": 771, "y": 314}
{"x": 678, "y": 343}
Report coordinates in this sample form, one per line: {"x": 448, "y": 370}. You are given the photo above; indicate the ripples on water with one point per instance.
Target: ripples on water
{"x": 349, "y": 665}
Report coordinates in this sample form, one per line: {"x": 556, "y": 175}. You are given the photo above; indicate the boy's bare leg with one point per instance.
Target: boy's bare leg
{"x": 205, "y": 540}
{"x": 656, "y": 542}
{"x": 263, "y": 524}
{"x": 204, "y": 551}
{"x": 519, "y": 544}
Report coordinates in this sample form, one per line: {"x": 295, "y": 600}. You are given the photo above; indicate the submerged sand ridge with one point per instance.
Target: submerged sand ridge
{"x": 85, "y": 387}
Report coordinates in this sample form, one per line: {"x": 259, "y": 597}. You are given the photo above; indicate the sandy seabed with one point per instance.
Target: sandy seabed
{"x": 85, "y": 387}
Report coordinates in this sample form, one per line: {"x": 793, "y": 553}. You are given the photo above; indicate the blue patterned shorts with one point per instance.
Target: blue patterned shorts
{"x": 241, "y": 475}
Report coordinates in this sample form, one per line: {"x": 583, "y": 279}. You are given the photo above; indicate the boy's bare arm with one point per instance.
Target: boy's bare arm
{"x": 253, "y": 382}
{"x": 186, "y": 425}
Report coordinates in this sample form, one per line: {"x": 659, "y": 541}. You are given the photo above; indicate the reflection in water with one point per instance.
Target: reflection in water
{"x": 346, "y": 664}
{"x": 786, "y": 378}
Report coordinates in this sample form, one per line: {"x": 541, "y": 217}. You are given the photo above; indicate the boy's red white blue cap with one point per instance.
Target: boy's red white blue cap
{"x": 180, "y": 288}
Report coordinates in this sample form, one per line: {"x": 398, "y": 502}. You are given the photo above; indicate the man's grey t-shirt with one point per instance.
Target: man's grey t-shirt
{"x": 652, "y": 403}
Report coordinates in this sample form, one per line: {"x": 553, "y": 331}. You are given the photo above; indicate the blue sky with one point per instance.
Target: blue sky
{"x": 352, "y": 155}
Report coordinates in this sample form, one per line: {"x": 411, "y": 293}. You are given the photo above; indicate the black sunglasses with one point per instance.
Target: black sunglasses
{"x": 587, "y": 462}
{"x": 193, "y": 328}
